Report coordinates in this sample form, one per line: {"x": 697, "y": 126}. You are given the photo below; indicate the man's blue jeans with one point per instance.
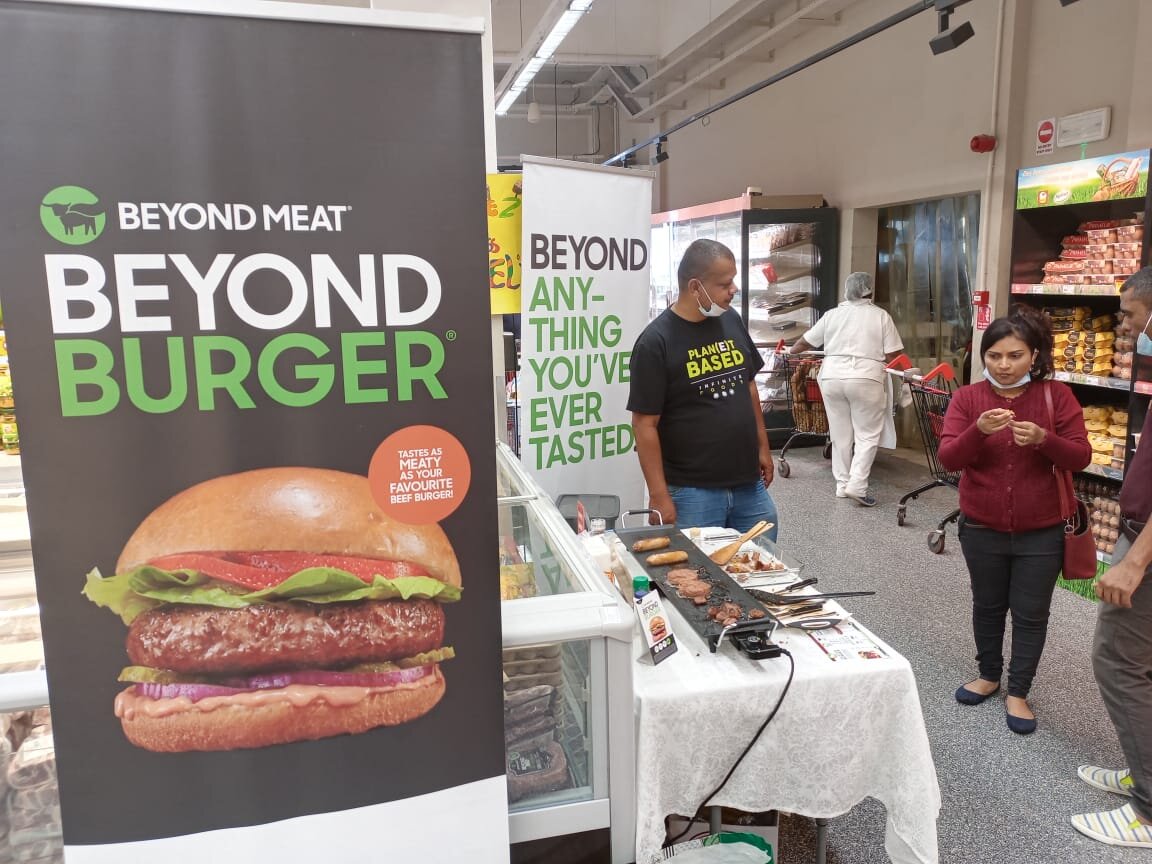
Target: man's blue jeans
{"x": 738, "y": 507}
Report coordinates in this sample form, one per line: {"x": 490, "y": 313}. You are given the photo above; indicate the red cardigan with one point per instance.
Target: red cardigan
{"x": 1004, "y": 486}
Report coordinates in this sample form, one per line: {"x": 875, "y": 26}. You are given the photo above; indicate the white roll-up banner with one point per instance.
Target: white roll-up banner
{"x": 586, "y": 238}
{"x": 243, "y": 280}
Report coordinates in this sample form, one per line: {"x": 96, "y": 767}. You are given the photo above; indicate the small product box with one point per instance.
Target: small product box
{"x": 654, "y": 625}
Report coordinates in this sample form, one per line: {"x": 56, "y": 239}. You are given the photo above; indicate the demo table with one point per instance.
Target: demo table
{"x": 847, "y": 730}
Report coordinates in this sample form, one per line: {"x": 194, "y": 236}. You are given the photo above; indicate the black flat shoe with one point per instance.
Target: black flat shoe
{"x": 970, "y": 697}
{"x": 1020, "y": 725}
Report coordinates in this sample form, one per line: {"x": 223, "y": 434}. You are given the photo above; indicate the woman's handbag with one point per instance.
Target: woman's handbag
{"x": 1079, "y": 545}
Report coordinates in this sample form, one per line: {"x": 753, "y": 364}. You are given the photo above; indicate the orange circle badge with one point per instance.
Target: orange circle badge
{"x": 419, "y": 474}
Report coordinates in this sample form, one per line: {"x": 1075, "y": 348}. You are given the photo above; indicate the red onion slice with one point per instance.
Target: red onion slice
{"x": 276, "y": 681}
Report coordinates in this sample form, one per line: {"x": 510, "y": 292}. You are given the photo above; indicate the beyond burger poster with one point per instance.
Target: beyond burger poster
{"x": 252, "y": 371}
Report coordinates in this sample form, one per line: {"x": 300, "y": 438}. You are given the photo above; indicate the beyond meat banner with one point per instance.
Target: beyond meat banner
{"x": 252, "y": 370}
{"x": 585, "y": 247}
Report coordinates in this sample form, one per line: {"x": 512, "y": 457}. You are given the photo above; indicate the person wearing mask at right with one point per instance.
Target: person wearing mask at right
{"x": 997, "y": 432}
{"x": 858, "y": 340}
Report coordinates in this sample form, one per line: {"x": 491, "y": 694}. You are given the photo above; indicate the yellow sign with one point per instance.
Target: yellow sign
{"x": 505, "y": 196}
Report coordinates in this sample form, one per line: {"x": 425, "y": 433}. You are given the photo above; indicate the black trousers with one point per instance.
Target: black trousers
{"x": 1011, "y": 573}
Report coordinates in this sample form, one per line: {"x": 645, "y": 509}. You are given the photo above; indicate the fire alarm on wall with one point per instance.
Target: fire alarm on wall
{"x": 983, "y": 143}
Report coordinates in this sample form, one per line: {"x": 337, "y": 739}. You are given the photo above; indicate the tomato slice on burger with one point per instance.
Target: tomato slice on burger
{"x": 258, "y": 570}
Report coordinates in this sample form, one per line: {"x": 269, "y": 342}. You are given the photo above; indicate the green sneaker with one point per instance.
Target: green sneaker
{"x": 1119, "y": 782}
{"x": 1118, "y": 827}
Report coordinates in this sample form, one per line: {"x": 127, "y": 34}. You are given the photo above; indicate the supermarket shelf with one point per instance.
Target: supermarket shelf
{"x": 1144, "y": 387}
{"x": 1105, "y": 381}
{"x": 1061, "y": 289}
{"x": 1104, "y": 471}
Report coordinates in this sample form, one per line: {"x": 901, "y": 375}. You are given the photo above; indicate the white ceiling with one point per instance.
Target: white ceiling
{"x": 650, "y": 56}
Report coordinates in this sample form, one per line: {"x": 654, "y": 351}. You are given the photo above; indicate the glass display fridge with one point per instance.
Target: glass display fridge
{"x": 567, "y": 677}
{"x": 787, "y": 259}
{"x": 567, "y": 682}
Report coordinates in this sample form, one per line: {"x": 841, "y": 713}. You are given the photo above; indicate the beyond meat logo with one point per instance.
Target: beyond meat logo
{"x": 72, "y": 215}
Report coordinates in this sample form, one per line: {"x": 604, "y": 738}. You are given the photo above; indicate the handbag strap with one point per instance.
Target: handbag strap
{"x": 1063, "y": 478}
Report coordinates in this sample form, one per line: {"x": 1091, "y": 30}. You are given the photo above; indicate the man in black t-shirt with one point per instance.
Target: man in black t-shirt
{"x": 695, "y": 409}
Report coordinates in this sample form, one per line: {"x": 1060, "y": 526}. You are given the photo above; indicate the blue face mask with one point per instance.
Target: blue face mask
{"x": 1144, "y": 341}
{"x": 988, "y": 377}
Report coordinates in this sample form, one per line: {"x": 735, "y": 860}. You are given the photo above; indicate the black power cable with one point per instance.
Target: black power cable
{"x": 747, "y": 750}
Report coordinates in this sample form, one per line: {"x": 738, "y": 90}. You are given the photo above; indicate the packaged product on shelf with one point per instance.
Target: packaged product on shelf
{"x": 1125, "y": 266}
{"x": 1127, "y": 250}
{"x": 1097, "y": 236}
{"x": 1074, "y": 253}
{"x": 1098, "y": 265}
{"x": 1062, "y": 265}
{"x": 516, "y": 581}
{"x": 1103, "y": 366}
{"x": 536, "y": 772}
{"x": 1074, "y": 240}
{"x": 1063, "y": 278}
{"x": 33, "y": 800}
{"x": 9, "y": 436}
{"x": 1120, "y": 417}
{"x": 1100, "y": 323}
{"x": 1097, "y": 412}
{"x": 1099, "y": 251}
{"x": 1129, "y": 233}
{"x": 1122, "y": 372}
{"x": 34, "y": 763}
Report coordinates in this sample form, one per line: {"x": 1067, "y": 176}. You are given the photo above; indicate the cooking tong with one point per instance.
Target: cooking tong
{"x": 780, "y": 598}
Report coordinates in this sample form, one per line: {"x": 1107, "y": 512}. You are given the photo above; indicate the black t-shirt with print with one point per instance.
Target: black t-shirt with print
{"x": 695, "y": 376}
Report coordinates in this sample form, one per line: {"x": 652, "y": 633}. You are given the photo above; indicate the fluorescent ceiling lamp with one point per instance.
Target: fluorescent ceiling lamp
{"x": 558, "y": 33}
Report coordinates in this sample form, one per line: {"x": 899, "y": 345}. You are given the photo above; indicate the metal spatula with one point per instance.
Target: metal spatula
{"x": 726, "y": 553}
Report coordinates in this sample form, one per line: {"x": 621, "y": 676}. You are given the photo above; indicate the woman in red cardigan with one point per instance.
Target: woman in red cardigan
{"x": 998, "y": 433}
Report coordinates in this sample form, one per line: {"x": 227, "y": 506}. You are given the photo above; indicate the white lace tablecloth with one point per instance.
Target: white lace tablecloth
{"x": 847, "y": 730}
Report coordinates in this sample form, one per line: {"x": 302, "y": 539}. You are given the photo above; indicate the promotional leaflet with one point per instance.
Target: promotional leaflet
{"x": 587, "y": 232}
{"x": 253, "y": 375}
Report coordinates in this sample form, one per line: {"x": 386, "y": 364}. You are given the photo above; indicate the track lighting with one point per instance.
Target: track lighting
{"x": 661, "y": 156}
{"x": 949, "y": 37}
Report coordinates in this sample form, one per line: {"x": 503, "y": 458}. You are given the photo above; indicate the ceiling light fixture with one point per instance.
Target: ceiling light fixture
{"x": 563, "y": 26}
{"x": 1067, "y": 2}
{"x": 947, "y": 37}
{"x": 661, "y": 155}
{"x": 533, "y": 112}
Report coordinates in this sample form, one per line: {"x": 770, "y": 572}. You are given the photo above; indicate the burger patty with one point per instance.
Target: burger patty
{"x": 205, "y": 640}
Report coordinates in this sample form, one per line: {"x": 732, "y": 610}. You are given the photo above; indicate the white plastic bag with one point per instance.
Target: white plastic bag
{"x": 726, "y": 848}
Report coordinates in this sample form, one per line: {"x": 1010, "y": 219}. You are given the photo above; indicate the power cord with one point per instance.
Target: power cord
{"x": 751, "y": 744}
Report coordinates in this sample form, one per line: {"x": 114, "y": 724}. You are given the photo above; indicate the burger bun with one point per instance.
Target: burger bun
{"x": 287, "y": 510}
{"x": 232, "y": 727}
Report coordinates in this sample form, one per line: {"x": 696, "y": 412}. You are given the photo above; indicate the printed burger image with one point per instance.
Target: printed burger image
{"x": 277, "y": 605}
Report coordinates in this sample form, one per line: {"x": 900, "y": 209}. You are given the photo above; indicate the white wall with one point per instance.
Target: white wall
{"x": 887, "y": 122}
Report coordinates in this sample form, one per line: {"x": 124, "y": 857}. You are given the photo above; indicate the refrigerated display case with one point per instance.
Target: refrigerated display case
{"x": 567, "y": 676}
{"x": 787, "y": 263}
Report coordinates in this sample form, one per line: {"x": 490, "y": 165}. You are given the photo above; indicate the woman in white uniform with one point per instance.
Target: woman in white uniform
{"x": 858, "y": 339}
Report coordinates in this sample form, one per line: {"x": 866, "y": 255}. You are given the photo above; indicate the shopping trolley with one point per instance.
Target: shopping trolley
{"x": 809, "y": 420}
{"x": 931, "y": 394}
